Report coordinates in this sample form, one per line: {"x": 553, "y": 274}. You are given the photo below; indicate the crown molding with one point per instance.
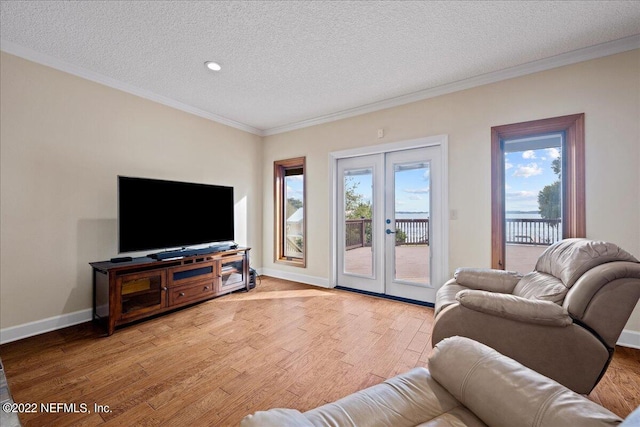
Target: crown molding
{"x": 49, "y": 61}
{"x": 573, "y": 57}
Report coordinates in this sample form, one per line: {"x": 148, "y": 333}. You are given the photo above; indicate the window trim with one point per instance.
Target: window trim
{"x": 573, "y": 180}
{"x": 279, "y": 168}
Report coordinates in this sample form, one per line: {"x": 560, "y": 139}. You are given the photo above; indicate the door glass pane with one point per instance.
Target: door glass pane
{"x": 294, "y": 213}
{"x": 533, "y": 195}
{"x": 412, "y": 203}
{"x": 358, "y": 234}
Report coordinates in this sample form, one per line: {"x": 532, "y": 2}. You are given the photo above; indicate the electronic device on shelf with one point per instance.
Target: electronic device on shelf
{"x": 154, "y": 214}
{"x": 121, "y": 259}
{"x": 179, "y": 253}
{"x": 252, "y": 278}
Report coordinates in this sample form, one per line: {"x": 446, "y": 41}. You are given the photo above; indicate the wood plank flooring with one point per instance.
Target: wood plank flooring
{"x": 283, "y": 344}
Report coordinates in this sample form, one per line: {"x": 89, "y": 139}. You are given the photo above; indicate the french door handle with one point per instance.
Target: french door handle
{"x": 390, "y": 232}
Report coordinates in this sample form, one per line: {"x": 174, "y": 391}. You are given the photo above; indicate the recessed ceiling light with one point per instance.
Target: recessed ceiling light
{"x": 213, "y": 66}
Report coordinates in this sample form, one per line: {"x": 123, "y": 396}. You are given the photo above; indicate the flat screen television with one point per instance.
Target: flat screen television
{"x": 155, "y": 214}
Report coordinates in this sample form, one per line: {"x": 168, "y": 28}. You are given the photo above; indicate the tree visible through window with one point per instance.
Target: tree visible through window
{"x": 549, "y": 197}
{"x": 289, "y": 192}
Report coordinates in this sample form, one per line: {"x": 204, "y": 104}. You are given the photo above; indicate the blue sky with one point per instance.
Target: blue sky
{"x": 412, "y": 190}
{"x": 526, "y": 173}
{"x": 295, "y": 185}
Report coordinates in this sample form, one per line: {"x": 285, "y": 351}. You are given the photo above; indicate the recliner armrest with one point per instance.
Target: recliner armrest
{"x": 486, "y": 279}
{"x": 503, "y": 392}
{"x": 515, "y": 308}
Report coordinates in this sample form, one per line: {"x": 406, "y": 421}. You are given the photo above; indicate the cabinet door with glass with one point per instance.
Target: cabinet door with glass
{"x": 141, "y": 293}
{"x": 233, "y": 273}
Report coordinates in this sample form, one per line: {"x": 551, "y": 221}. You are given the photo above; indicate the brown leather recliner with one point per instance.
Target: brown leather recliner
{"x": 563, "y": 319}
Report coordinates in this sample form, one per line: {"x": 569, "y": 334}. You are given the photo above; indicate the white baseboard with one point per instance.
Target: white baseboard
{"x": 629, "y": 339}
{"x": 302, "y": 278}
{"x": 15, "y": 333}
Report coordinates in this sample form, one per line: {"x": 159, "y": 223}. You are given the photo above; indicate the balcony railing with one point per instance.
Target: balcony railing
{"x": 413, "y": 232}
{"x": 293, "y": 246}
{"x": 357, "y": 233}
{"x": 540, "y": 232}
{"x": 416, "y": 231}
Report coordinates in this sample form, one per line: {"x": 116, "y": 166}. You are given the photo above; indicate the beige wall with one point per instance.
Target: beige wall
{"x": 63, "y": 142}
{"x": 607, "y": 90}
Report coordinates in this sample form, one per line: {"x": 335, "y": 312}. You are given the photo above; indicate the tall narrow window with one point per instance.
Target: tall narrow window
{"x": 290, "y": 217}
{"x": 533, "y": 198}
{"x": 538, "y": 194}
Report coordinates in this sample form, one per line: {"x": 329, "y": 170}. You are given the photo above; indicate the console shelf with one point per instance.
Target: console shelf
{"x": 124, "y": 292}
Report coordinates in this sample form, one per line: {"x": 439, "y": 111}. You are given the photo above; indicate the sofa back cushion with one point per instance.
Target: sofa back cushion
{"x": 571, "y": 258}
{"x": 541, "y": 286}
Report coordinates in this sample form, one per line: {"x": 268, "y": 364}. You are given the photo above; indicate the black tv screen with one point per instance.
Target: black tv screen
{"x": 159, "y": 214}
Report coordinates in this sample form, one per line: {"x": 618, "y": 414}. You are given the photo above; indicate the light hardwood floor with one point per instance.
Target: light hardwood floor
{"x": 283, "y": 344}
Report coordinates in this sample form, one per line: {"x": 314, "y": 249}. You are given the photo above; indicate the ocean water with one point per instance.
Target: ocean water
{"x": 509, "y": 215}
{"x": 412, "y": 215}
{"x": 522, "y": 215}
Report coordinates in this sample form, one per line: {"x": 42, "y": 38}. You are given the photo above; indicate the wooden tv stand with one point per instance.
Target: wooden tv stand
{"x": 124, "y": 292}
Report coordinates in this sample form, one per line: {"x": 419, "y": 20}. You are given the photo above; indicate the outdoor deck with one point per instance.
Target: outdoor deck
{"x": 412, "y": 267}
{"x": 522, "y": 258}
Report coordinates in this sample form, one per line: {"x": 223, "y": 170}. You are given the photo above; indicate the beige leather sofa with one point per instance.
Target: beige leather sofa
{"x": 563, "y": 319}
{"x": 467, "y": 384}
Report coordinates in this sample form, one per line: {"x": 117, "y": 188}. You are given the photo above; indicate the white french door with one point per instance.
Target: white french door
{"x": 390, "y": 223}
{"x": 360, "y": 223}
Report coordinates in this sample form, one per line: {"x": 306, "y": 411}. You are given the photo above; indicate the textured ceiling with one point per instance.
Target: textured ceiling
{"x": 290, "y": 62}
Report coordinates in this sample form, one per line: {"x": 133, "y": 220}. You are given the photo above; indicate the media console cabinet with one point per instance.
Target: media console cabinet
{"x": 124, "y": 292}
